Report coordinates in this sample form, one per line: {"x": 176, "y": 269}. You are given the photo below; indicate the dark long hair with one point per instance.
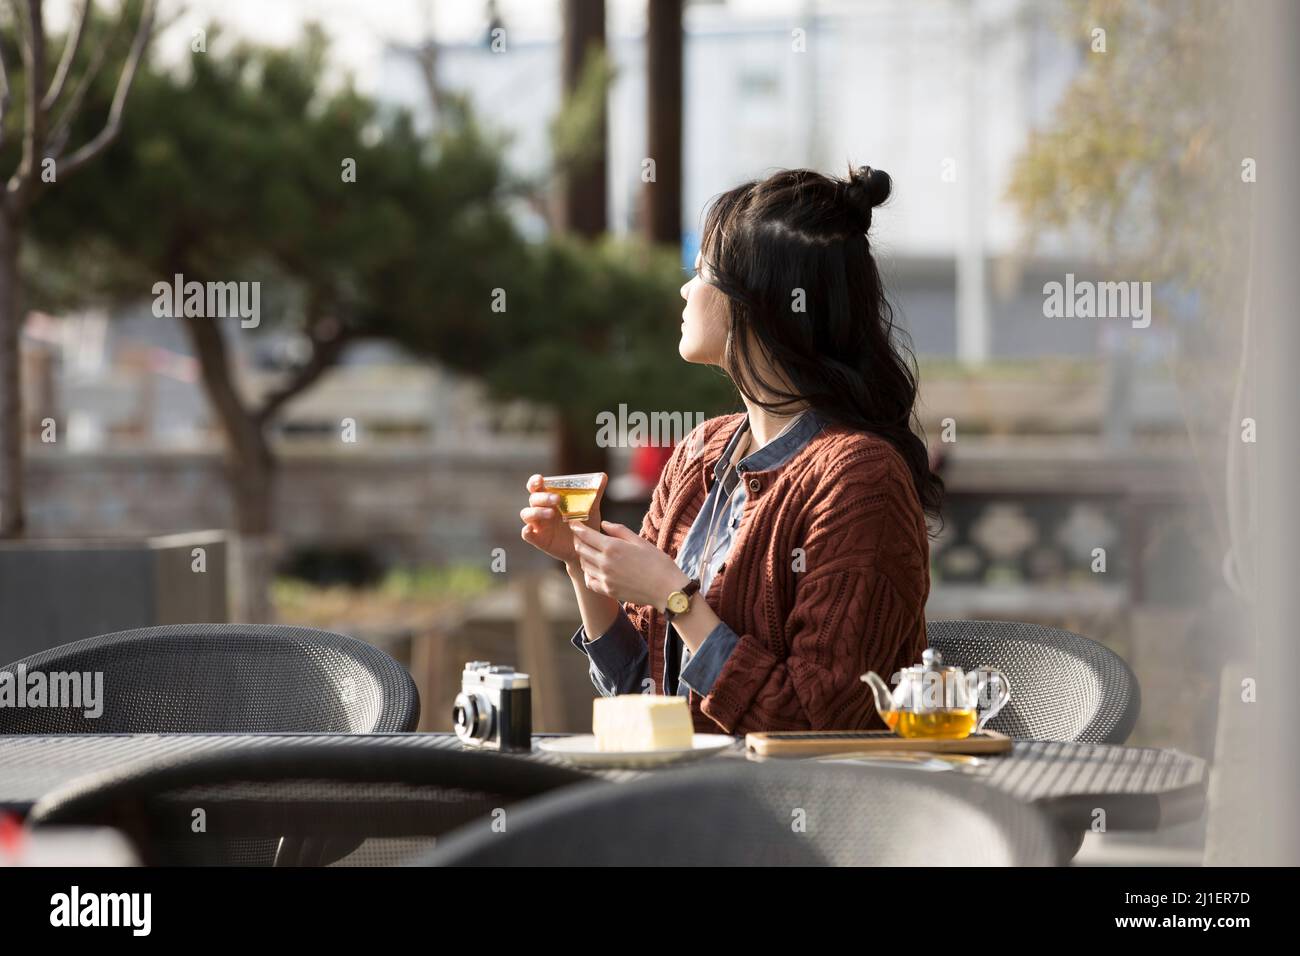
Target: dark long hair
{"x": 791, "y": 254}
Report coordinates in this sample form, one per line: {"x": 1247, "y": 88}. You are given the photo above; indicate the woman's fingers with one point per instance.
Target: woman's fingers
{"x": 590, "y": 557}
{"x": 602, "y": 545}
{"x": 541, "y": 522}
{"x": 615, "y": 530}
{"x": 593, "y": 569}
{"x": 588, "y": 536}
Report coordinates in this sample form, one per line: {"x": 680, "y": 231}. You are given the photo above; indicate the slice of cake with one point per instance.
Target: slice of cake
{"x": 639, "y": 722}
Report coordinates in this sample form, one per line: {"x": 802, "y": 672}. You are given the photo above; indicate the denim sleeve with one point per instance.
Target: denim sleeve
{"x": 700, "y": 672}
{"x": 620, "y": 660}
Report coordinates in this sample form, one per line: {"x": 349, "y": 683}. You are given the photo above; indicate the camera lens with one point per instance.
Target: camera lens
{"x": 471, "y": 717}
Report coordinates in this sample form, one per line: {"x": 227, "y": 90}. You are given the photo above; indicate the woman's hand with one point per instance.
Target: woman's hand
{"x": 543, "y": 527}
{"x": 625, "y": 566}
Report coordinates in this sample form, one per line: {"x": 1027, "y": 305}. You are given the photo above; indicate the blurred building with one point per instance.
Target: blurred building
{"x": 942, "y": 94}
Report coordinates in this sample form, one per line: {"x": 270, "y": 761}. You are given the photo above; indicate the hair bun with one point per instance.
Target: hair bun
{"x": 878, "y": 184}
{"x": 869, "y": 186}
{"x": 866, "y": 189}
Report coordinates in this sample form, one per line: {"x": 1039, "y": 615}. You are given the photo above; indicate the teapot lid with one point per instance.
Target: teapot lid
{"x": 931, "y": 660}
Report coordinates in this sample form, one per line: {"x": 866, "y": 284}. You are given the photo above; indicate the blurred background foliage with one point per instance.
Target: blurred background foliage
{"x": 1149, "y": 156}
{"x": 1146, "y": 145}
{"x": 217, "y": 174}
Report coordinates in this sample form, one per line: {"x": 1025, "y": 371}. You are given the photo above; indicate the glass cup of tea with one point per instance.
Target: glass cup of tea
{"x": 577, "y": 493}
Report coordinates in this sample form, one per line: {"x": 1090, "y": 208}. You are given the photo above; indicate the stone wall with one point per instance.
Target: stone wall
{"x": 411, "y": 505}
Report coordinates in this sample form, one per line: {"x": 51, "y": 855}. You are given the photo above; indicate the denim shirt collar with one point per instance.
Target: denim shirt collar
{"x": 776, "y": 452}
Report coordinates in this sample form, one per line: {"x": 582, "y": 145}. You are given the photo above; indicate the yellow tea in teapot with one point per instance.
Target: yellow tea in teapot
{"x": 952, "y": 723}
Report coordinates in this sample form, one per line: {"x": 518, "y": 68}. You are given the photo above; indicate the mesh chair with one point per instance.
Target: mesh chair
{"x": 306, "y": 803}
{"x": 735, "y": 813}
{"x": 1063, "y": 686}
{"x": 225, "y": 678}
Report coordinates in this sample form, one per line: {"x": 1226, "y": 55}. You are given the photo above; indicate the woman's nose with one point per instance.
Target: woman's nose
{"x": 685, "y": 289}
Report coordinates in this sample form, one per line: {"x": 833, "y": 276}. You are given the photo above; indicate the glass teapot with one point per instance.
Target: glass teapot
{"x": 931, "y": 700}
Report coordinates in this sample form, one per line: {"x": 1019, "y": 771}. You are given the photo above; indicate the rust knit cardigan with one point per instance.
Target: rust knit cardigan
{"x": 827, "y": 579}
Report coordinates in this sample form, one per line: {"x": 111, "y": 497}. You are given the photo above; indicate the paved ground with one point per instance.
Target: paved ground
{"x": 1181, "y": 845}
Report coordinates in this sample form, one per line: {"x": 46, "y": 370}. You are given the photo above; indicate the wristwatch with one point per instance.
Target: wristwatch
{"x": 680, "y": 601}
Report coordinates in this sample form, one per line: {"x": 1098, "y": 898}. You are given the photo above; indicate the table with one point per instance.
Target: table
{"x": 1139, "y": 788}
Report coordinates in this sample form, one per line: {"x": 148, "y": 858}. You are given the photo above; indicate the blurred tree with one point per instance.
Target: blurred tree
{"x": 353, "y": 223}
{"x": 245, "y": 170}
{"x": 51, "y": 107}
{"x": 592, "y": 325}
{"x": 662, "y": 195}
{"x": 582, "y": 192}
{"x": 578, "y": 137}
{"x": 570, "y": 198}
{"x": 1148, "y": 156}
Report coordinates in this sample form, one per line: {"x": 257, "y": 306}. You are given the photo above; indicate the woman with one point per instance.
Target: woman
{"x": 785, "y": 551}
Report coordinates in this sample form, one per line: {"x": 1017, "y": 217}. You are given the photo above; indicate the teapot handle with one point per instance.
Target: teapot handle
{"x": 975, "y": 686}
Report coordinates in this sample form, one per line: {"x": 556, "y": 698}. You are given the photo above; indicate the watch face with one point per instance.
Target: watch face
{"x": 678, "y": 602}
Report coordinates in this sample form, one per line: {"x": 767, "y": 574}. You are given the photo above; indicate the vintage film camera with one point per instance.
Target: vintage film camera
{"x": 494, "y": 709}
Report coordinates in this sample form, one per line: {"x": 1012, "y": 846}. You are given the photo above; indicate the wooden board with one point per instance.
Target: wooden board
{"x": 821, "y": 742}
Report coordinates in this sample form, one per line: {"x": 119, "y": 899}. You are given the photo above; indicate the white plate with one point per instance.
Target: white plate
{"x": 581, "y": 751}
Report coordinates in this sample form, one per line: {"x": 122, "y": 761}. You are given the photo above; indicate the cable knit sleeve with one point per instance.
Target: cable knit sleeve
{"x": 858, "y": 606}
{"x": 652, "y": 528}
{"x": 619, "y": 657}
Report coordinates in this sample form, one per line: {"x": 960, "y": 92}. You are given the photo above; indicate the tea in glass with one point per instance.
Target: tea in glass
{"x": 953, "y": 723}
{"x": 577, "y": 493}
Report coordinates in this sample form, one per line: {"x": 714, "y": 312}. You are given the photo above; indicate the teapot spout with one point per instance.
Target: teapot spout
{"x": 884, "y": 697}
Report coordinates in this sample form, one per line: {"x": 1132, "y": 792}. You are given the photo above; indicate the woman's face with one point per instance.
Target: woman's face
{"x": 704, "y": 320}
